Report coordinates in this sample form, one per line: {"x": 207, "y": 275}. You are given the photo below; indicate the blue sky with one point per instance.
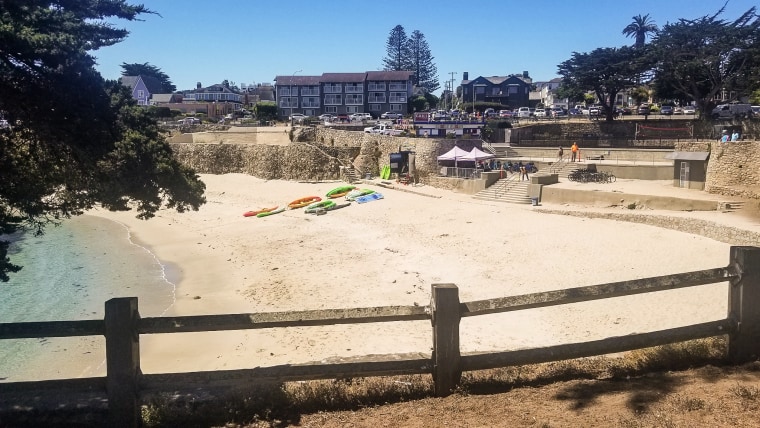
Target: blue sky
{"x": 249, "y": 41}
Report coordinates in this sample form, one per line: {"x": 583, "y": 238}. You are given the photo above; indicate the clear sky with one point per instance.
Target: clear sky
{"x": 252, "y": 41}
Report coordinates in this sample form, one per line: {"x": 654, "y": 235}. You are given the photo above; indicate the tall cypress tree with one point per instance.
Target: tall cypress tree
{"x": 397, "y": 50}
{"x": 425, "y": 72}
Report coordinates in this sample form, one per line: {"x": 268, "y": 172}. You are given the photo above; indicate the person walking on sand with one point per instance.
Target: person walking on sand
{"x": 574, "y": 150}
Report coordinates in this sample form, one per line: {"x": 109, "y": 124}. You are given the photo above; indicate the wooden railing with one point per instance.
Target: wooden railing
{"x": 122, "y": 327}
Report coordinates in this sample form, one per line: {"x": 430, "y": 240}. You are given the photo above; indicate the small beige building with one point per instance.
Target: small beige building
{"x": 689, "y": 169}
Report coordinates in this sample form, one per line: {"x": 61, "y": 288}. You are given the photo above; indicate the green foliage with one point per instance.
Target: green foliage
{"x": 145, "y": 69}
{"x": 77, "y": 140}
{"x": 605, "y": 71}
{"x": 421, "y": 61}
{"x": 397, "y": 50}
{"x": 699, "y": 58}
{"x": 639, "y": 29}
{"x": 265, "y": 110}
{"x": 420, "y": 103}
{"x": 160, "y": 112}
{"x": 432, "y": 100}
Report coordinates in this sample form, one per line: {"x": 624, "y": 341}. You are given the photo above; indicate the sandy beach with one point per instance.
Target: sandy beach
{"x": 389, "y": 252}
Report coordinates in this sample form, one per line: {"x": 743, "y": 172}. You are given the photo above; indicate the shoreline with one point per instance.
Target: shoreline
{"x": 388, "y": 252}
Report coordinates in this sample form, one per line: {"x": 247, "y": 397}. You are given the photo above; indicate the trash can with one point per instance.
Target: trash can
{"x": 369, "y": 176}
{"x": 534, "y": 201}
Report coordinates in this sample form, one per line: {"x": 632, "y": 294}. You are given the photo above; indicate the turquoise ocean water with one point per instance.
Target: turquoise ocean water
{"x": 68, "y": 274}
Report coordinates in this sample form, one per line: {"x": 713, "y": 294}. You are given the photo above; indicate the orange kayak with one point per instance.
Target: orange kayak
{"x": 300, "y": 203}
{"x": 254, "y": 213}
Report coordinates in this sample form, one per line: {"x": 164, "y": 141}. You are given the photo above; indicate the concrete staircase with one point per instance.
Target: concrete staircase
{"x": 351, "y": 176}
{"x": 508, "y": 189}
{"x": 564, "y": 168}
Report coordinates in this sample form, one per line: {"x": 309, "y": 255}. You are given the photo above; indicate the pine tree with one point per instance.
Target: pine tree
{"x": 76, "y": 140}
{"x": 425, "y": 72}
{"x": 397, "y": 49}
{"x": 145, "y": 69}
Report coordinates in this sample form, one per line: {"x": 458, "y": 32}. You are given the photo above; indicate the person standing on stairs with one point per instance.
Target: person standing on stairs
{"x": 574, "y": 150}
{"x": 560, "y": 153}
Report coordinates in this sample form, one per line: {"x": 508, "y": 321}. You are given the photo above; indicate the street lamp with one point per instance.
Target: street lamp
{"x": 291, "y": 95}
{"x": 473, "y": 94}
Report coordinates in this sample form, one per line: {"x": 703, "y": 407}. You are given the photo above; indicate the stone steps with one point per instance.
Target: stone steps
{"x": 506, "y": 190}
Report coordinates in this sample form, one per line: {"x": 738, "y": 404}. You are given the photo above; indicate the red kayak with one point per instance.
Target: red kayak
{"x": 254, "y": 213}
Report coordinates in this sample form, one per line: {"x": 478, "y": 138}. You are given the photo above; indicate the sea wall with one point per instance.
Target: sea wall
{"x": 733, "y": 168}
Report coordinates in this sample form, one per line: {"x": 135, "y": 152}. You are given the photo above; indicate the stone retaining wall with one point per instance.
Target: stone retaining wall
{"x": 708, "y": 229}
{"x": 733, "y": 168}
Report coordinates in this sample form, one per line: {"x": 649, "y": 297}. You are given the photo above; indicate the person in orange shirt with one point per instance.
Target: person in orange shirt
{"x": 574, "y": 149}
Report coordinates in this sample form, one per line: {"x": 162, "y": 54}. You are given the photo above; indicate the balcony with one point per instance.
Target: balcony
{"x": 376, "y": 87}
{"x": 332, "y": 89}
{"x": 310, "y": 104}
{"x": 397, "y": 99}
{"x": 355, "y": 89}
{"x": 376, "y": 99}
{"x": 306, "y": 92}
{"x": 397, "y": 87}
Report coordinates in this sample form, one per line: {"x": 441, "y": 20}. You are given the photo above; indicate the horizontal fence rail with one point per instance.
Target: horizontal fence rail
{"x": 122, "y": 326}
{"x": 596, "y": 292}
{"x": 199, "y": 323}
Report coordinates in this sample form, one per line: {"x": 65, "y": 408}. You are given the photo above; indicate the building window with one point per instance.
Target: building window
{"x": 333, "y": 99}
{"x": 354, "y": 99}
{"x": 140, "y": 94}
{"x": 333, "y": 88}
{"x": 397, "y": 97}
{"x": 352, "y": 109}
{"x": 354, "y": 88}
{"x": 331, "y": 109}
{"x": 397, "y": 107}
{"x": 375, "y": 107}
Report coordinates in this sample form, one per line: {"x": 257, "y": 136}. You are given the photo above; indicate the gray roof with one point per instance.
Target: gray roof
{"x": 699, "y": 156}
{"x": 162, "y": 98}
{"x": 151, "y": 83}
{"x": 389, "y": 75}
{"x": 343, "y": 77}
{"x": 297, "y": 80}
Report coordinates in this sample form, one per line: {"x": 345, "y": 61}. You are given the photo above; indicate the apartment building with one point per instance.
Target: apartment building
{"x": 371, "y": 92}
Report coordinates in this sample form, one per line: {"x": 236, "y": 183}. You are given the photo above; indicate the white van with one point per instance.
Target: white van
{"x": 523, "y": 112}
{"x": 732, "y": 111}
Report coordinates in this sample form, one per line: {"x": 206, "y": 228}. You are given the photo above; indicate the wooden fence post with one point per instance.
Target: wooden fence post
{"x": 122, "y": 361}
{"x": 447, "y": 371}
{"x": 743, "y": 304}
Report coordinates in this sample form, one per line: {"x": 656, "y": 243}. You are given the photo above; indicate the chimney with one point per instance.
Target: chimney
{"x": 465, "y": 76}
{"x": 525, "y": 74}
{"x": 198, "y": 85}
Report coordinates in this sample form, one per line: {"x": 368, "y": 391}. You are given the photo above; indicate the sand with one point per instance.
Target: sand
{"x": 389, "y": 252}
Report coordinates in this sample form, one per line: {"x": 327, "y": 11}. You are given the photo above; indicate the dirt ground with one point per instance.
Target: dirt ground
{"x": 703, "y": 397}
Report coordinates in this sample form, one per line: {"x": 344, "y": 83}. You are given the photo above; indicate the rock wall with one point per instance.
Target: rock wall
{"x": 734, "y": 169}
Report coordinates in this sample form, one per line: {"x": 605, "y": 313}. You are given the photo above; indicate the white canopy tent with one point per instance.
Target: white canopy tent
{"x": 476, "y": 154}
{"x": 455, "y": 154}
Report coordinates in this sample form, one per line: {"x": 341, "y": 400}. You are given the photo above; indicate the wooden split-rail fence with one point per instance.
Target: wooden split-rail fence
{"x": 122, "y": 327}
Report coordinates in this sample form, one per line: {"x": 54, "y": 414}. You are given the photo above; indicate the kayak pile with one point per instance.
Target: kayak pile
{"x": 318, "y": 206}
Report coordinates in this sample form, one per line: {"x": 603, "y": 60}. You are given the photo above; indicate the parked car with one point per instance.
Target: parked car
{"x": 539, "y": 112}
{"x": 391, "y": 115}
{"x": 296, "y": 117}
{"x": 190, "y": 121}
{"x": 574, "y": 112}
{"x": 342, "y": 117}
{"x": 666, "y": 110}
{"x": 622, "y": 111}
{"x": 732, "y": 111}
{"x": 677, "y": 110}
{"x": 358, "y": 117}
{"x": 505, "y": 113}
{"x": 594, "y": 111}
{"x": 643, "y": 109}
{"x": 327, "y": 117}
{"x": 524, "y": 112}
{"x": 756, "y": 111}
{"x": 689, "y": 110}
{"x": 557, "y": 112}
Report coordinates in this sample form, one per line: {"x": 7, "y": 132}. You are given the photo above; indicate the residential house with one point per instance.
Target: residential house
{"x": 142, "y": 87}
{"x": 511, "y": 91}
{"x": 545, "y": 94}
{"x": 371, "y": 92}
{"x": 162, "y": 99}
{"x": 220, "y": 99}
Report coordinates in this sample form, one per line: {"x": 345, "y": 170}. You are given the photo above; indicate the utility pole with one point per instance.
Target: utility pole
{"x": 451, "y": 87}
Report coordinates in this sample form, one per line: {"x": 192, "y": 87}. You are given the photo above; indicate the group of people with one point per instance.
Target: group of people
{"x": 574, "y": 150}
{"x": 724, "y": 138}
